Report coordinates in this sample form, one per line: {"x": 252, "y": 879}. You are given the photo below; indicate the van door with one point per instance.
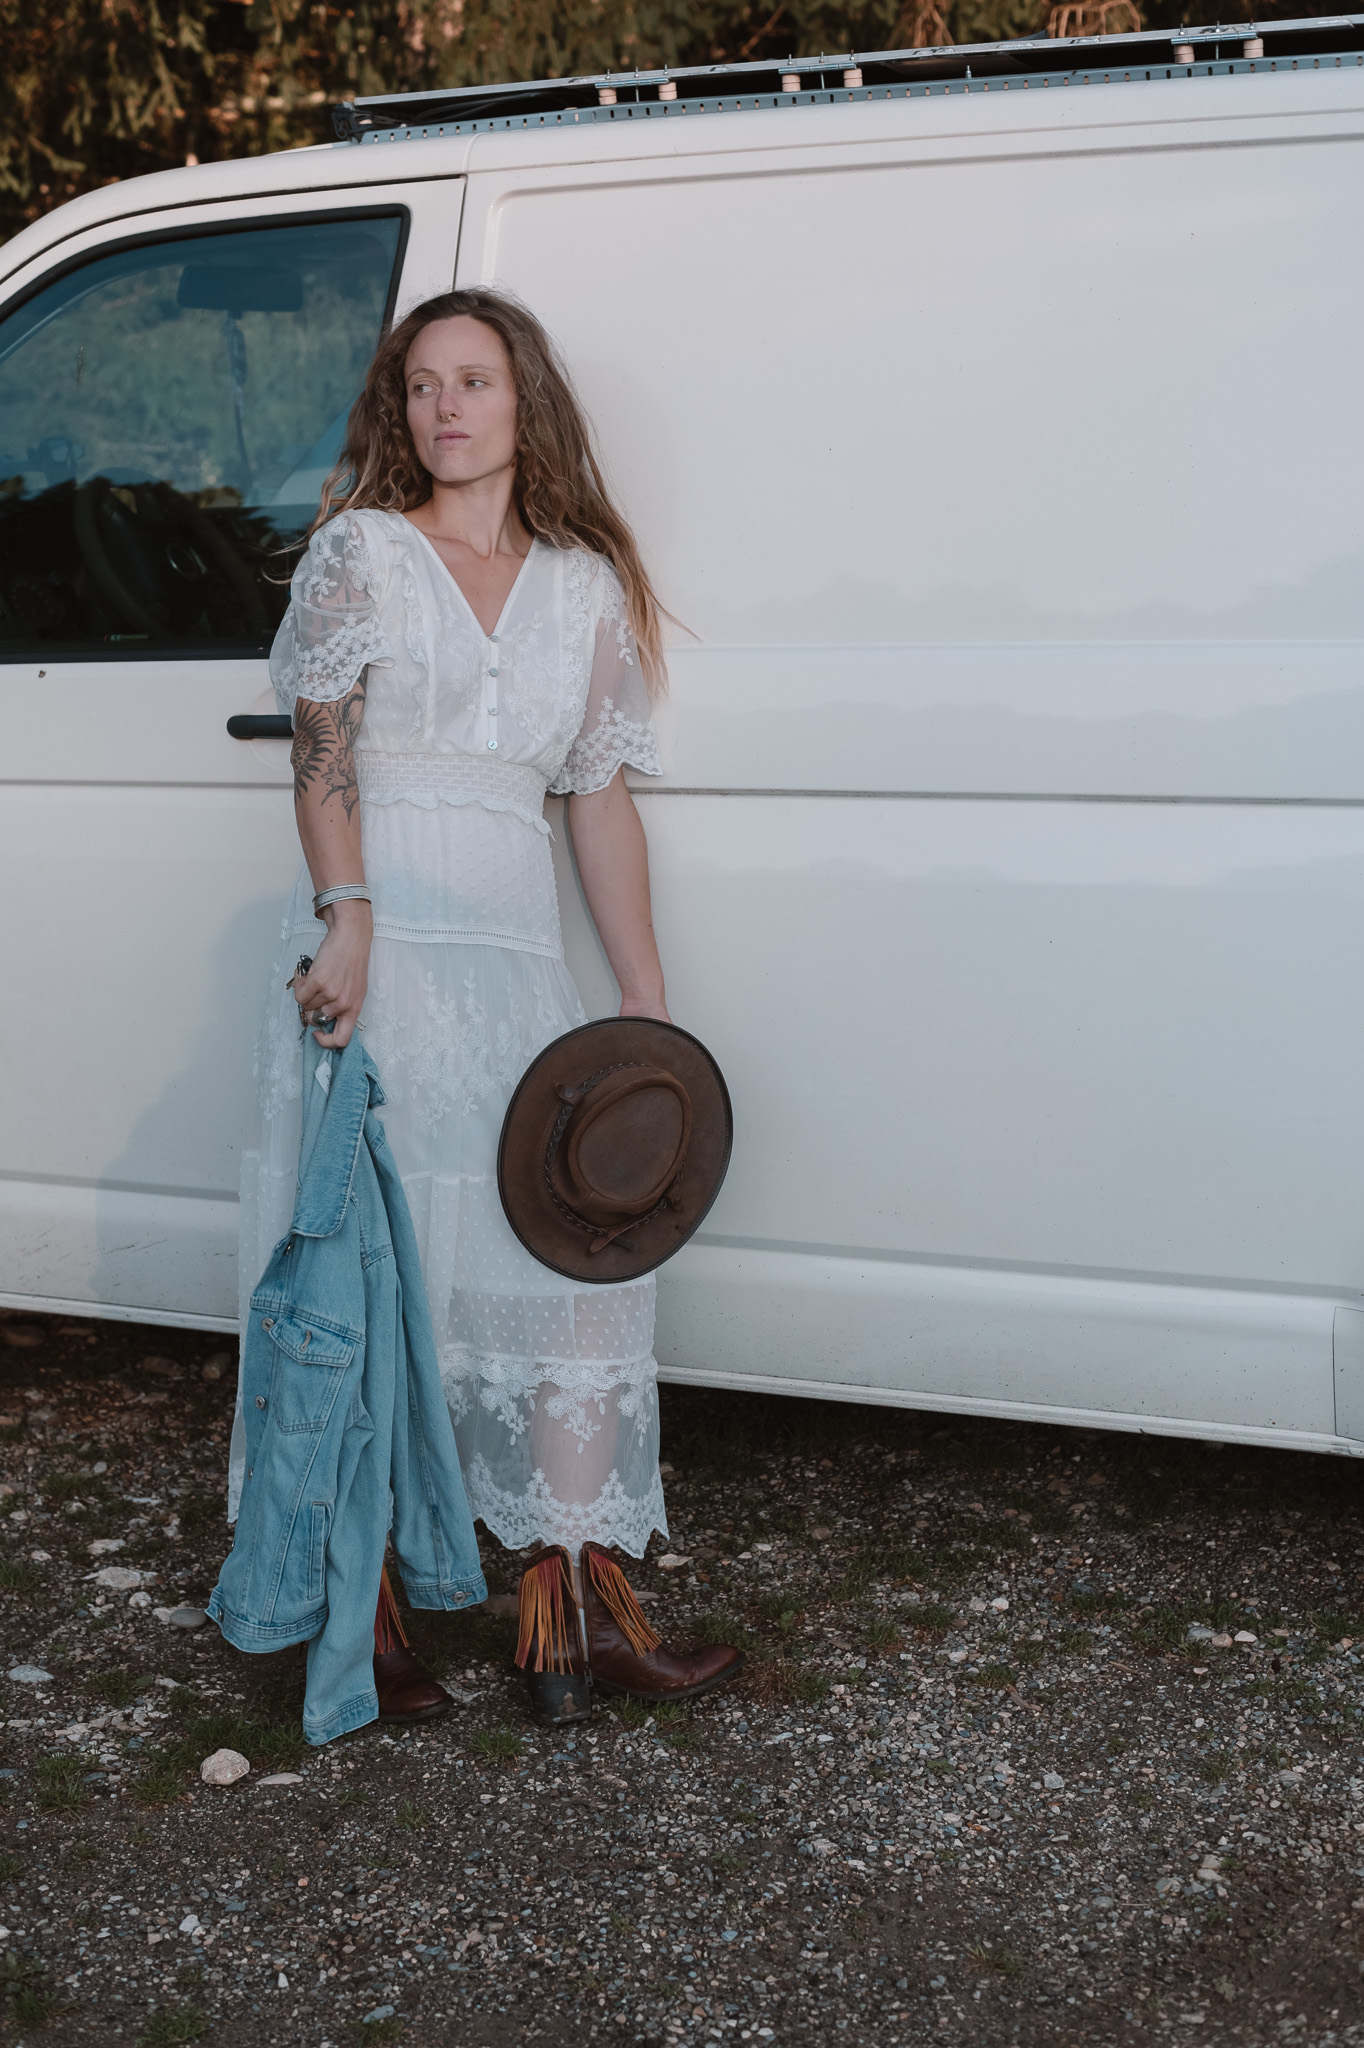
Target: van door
{"x": 170, "y": 401}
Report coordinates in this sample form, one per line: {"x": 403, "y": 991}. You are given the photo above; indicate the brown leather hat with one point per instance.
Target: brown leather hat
{"x": 613, "y": 1148}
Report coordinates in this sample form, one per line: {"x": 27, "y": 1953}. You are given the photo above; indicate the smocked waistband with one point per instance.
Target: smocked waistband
{"x": 431, "y": 779}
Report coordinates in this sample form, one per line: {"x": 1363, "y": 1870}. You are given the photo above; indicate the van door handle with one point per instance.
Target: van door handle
{"x": 249, "y": 725}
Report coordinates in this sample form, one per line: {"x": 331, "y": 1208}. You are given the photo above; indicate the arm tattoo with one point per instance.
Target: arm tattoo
{"x": 323, "y": 751}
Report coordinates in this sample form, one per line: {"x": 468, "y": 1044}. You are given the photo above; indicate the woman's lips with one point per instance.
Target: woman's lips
{"x": 454, "y": 437}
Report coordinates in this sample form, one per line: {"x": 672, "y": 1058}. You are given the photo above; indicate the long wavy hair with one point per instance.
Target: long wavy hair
{"x": 561, "y": 493}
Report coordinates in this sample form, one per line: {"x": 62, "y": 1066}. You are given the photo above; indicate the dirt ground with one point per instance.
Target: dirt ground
{"x": 1044, "y": 1737}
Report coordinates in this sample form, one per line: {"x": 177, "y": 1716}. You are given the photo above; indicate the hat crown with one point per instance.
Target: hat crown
{"x": 623, "y": 1144}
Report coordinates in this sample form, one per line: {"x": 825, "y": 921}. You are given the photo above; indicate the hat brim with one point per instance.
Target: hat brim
{"x": 526, "y": 1130}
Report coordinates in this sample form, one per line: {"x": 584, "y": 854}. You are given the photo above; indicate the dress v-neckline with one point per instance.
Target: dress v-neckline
{"x": 448, "y": 571}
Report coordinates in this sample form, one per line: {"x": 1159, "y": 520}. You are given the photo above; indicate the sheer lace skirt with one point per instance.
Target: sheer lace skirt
{"x": 552, "y": 1386}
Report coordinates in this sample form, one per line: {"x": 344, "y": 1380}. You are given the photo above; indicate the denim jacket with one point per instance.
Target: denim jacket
{"x": 347, "y": 1430}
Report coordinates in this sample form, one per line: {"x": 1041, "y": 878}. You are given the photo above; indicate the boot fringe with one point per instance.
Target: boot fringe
{"x": 547, "y": 1639}
{"x": 613, "y": 1589}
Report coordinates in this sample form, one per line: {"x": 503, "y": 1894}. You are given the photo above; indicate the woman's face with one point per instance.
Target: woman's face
{"x": 461, "y": 401}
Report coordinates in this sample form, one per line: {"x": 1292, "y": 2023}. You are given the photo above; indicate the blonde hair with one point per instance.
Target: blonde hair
{"x": 561, "y": 494}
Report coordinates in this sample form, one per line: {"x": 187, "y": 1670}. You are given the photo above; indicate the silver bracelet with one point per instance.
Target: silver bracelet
{"x": 346, "y": 892}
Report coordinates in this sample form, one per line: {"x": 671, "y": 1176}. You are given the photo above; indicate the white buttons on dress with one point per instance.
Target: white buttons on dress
{"x": 492, "y": 746}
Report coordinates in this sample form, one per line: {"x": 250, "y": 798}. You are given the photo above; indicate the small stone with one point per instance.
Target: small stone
{"x": 281, "y": 1778}
{"x": 119, "y": 1578}
{"x": 30, "y": 1674}
{"x": 1199, "y": 1634}
{"x": 186, "y": 1618}
{"x": 1166, "y": 1885}
{"x": 102, "y": 1465}
{"x": 139, "y": 1599}
{"x": 380, "y": 2012}
{"x": 644, "y": 1597}
{"x": 40, "y": 1557}
{"x": 1243, "y": 1635}
{"x": 22, "y": 1336}
{"x": 671, "y": 1562}
{"x": 956, "y": 1656}
{"x": 190, "y": 1924}
{"x": 1001, "y": 1605}
{"x": 224, "y": 1767}
{"x": 821, "y": 1535}
{"x": 1052, "y": 1781}
{"x": 977, "y": 1607}
{"x": 1220, "y": 1642}
{"x": 166, "y": 1368}
{"x": 104, "y": 1546}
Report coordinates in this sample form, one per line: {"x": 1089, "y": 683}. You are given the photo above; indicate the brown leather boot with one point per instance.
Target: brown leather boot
{"x": 406, "y": 1689}
{"x": 549, "y": 1646}
{"x": 624, "y": 1653}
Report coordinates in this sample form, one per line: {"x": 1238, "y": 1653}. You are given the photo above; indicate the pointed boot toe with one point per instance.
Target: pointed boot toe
{"x": 406, "y": 1689}
{"x": 627, "y": 1656}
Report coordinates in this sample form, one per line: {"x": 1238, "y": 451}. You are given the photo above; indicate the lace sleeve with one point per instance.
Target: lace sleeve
{"x": 331, "y": 631}
{"x": 617, "y": 729}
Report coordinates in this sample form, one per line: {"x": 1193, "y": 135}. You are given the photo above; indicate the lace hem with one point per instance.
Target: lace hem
{"x": 429, "y": 780}
{"x": 615, "y": 741}
{"x": 535, "y": 1514}
{"x": 510, "y": 1388}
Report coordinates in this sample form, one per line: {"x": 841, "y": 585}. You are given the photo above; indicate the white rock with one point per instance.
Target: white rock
{"x": 1001, "y": 1606}
{"x": 671, "y": 1562}
{"x": 139, "y": 1599}
{"x": 282, "y": 1778}
{"x": 30, "y": 1674}
{"x": 190, "y": 1924}
{"x": 1052, "y": 1781}
{"x": 40, "y": 1556}
{"x": 956, "y": 1656}
{"x": 977, "y": 1607}
{"x": 120, "y": 1578}
{"x": 104, "y": 1546}
{"x": 186, "y": 1618}
{"x": 1243, "y": 1635}
{"x": 224, "y": 1767}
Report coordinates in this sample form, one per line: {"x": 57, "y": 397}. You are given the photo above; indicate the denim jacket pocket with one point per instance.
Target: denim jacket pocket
{"x": 310, "y": 1363}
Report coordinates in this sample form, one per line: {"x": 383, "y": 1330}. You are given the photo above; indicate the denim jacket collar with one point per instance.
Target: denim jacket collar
{"x": 346, "y": 1086}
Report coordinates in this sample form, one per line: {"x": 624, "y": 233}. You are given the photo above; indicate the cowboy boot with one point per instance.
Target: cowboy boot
{"x": 625, "y": 1655}
{"x": 549, "y": 1648}
{"x": 406, "y": 1689}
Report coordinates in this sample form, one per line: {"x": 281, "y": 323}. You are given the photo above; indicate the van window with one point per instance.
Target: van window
{"x": 167, "y": 415}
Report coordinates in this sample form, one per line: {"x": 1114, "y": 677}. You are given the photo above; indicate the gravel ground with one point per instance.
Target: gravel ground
{"x": 1045, "y": 1737}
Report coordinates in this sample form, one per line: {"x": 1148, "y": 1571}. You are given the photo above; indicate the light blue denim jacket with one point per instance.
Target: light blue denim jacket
{"x": 347, "y": 1431}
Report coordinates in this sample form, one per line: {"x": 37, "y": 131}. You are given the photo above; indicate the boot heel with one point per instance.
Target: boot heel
{"x": 558, "y": 1698}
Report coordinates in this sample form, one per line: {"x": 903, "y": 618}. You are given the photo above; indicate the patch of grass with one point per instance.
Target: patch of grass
{"x": 406, "y": 1815}
{"x": 10, "y": 1868}
{"x": 70, "y": 1485}
{"x": 720, "y": 1626}
{"x": 1213, "y": 1768}
{"x": 934, "y": 1619}
{"x": 618, "y": 1923}
{"x": 160, "y": 1780}
{"x": 727, "y": 1863}
{"x": 496, "y": 1745}
{"x": 940, "y": 1766}
{"x": 17, "y": 1575}
{"x": 882, "y": 1635}
{"x": 31, "y": 2007}
{"x": 59, "y": 1787}
{"x": 351, "y": 1795}
{"x": 1005, "y": 1536}
{"x": 381, "y": 2030}
{"x": 956, "y": 1561}
{"x": 270, "y": 1745}
{"x": 996, "y": 1677}
{"x": 1002, "y": 1961}
{"x": 1116, "y": 1745}
{"x": 1075, "y": 1642}
{"x": 903, "y": 1564}
{"x": 116, "y": 1688}
{"x": 632, "y": 1713}
{"x": 782, "y": 1611}
{"x": 172, "y": 2025}
{"x": 1329, "y": 1624}
{"x": 806, "y": 1685}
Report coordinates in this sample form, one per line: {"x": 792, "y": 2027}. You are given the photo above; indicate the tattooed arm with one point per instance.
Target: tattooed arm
{"x": 327, "y": 807}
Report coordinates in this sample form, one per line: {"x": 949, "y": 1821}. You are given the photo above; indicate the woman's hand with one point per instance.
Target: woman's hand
{"x": 339, "y": 976}
{"x": 644, "y": 1006}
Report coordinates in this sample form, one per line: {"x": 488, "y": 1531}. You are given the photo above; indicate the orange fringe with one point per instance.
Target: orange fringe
{"x": 546, "y": 1633}
{"x": 611, "y": 1584}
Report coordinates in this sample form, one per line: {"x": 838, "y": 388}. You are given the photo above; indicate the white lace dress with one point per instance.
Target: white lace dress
{"x": 552, "y": 1385}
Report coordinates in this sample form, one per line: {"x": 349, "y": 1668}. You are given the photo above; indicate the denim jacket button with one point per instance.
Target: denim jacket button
{"x": 269, "y": 1323}
{"x": 260, "y": 1400}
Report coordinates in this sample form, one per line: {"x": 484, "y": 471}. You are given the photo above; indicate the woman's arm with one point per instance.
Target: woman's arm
{"x": 613, "y": 861}
{"x": 327, "y": 808}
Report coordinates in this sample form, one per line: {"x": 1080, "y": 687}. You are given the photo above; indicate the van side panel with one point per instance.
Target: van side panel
{"x": 1010, "y": 852}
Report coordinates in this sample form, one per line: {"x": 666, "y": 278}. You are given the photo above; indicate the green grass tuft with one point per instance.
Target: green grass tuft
{"x": 496, "y": 1745}
{"x": 59, "y": 1787}
{"x": 172, "y": 2025}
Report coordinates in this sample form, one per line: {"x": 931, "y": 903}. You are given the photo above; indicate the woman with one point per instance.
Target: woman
{"x": 472, "y": 625}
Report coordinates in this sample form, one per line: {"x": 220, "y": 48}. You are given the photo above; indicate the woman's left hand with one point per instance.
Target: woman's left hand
{"x": 641, "y": 1006}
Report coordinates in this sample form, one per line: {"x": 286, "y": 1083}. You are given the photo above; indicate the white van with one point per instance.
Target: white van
{"x": 991, "y": 417}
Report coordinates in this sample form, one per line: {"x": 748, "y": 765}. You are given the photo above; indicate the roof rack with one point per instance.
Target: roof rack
{"x": 1249, "y": 46}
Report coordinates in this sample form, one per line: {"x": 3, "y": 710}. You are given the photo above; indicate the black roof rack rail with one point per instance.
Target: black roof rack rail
{"x": 1250, "y": 46}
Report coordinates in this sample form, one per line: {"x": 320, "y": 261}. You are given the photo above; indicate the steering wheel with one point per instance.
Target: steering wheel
{"x": 163, "y": 565}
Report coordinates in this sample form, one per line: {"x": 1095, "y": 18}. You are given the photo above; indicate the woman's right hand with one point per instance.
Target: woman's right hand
{"x": 339, "y": 976}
